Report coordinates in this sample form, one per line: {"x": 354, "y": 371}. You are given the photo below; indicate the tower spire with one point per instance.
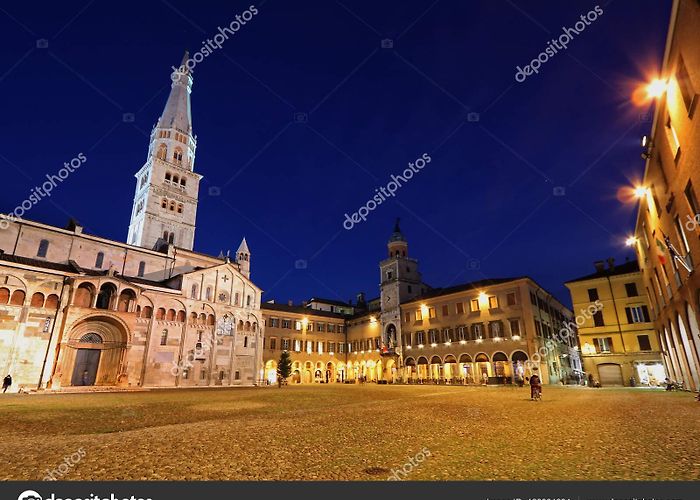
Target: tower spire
{"x": 177, "y": 113}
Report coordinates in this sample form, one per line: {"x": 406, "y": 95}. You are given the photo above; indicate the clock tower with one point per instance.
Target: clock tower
{"x": 400, "y": 281}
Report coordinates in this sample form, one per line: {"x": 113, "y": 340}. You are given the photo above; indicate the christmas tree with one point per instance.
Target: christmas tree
{"x": 284, "y": 367}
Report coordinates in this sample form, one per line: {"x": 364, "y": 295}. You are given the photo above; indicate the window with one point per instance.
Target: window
{"x": 285, "y": 344}
{"x": 193, "y": 292}
{"x": 493, "y": 302}
{"x": 433, "y": 335}
{"x": 592, "y": 294}
{"x": 297, "y": 345}
{"x": 245, "y": 341}
{"x": 331, "y": 328}
{"x": 341, "y": 347}
{"x": 319, "y": 347}
{"x": 310, "y": 326}
{"x": 275, "y": 322}
{"x": 419, "y": 315}
{"x": 43, "y": 248}
{"x": 331, "y": 347}
{"x": 445, "y": 310}
{"x": 287, "y": 323}
{"x": 164, "y": 204}
{"x": 637, "y": 314}
{"x": 673, "y": 141}
{"x": 237, "y": 375}
{"x": 142, "y": 269}
{"x": 273, "y": 343}
{"x": 431, "y": 313}
{"x": 207, "y": 293}
{"x": 177, "y": 156}
{"x": 408, "y": 317}
{"x": 461, "y": 333}
{"x": 460, "y": 308}
{"x": 389, "y": 275}
{"x": 297, "y": 325}
{"x": 511, "y": 299}
{"x": 164, "y": 337}
{"x": 248, "y": 300}
{"x": 631, "y": 289}
{"x": 685, "y": 86}
{"x": 598, "y": 318}
{"x": 603, "y": 345}
{"x": 477, "y": 332}
{"x": 341, "y": 328}
{"x": 514, "y": 327}
{"x": 644, "y": 343}
{"x": 420, "y": 338}
{"x": 320, "y": 327}
{"x": 692, "y": 200}
{"x": 474, "y": 305}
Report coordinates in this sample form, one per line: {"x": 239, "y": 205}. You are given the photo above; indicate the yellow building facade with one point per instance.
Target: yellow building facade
{"x": 619, "y": 345}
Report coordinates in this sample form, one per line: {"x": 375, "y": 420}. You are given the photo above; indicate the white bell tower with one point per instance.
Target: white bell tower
{"x": 167, "y": 188}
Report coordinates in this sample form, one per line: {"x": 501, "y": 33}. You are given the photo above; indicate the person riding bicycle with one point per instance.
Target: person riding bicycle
{"x": 535, "y": 386}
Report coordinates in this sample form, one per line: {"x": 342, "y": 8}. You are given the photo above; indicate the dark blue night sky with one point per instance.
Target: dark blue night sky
{"x": 484, "y": 207}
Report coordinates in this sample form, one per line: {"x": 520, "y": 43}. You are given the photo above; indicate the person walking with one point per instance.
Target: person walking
{"x": 535, "y": 387}
{"x": 6, "y": 383}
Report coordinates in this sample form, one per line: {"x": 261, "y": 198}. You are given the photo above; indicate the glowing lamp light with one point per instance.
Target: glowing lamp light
{"x": 631, "y": 241}
{"x": 657, "y": 88}
{"x": 462, "y": 341}
{"x": 641, "y": 191}
{"x": 424, "y": 309}
{"x": 420, "y": 346}
{"x": 448, "y": 343}
{"x": 372, "y": 320}
{"x": 433, "y": 345}
{"x": 483, "y": 300}
{"x": 408, "y": 347}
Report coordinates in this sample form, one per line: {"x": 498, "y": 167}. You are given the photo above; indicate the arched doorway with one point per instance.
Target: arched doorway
{"x": 409, "y": 371}
{"x": 390, "y": 371}
{"x": 500, "y": 367}
{"x": 519, "y": 360}
{"x": 466, "y": 369}
{"x": 94, "y": 353}
{"x": 435, "y": 369}
{"x": 330, "y": 373}
{"x": 422, "y": 369}
{"x": 482, "y": 367}
{"x": 451, "y": 372}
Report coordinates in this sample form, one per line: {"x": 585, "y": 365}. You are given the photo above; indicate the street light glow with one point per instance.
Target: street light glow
{"x": 657, "y": 88}
{"x": 631, "y": 241}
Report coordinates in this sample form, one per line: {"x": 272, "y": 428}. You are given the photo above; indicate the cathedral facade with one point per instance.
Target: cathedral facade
{"x": 77, "y": 310}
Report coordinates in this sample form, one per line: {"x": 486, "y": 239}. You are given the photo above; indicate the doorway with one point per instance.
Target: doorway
{"x": 85, "y": 370}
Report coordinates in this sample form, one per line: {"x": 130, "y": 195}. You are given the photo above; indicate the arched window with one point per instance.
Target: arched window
{"x": 43, "y": 248}
{"x": 164, "y": 203}
{"x": 181, "y": 315}
{"x": 171, "y": 238}
{"x": 99, "y": 260}
{"x": 126, "y": 298}
{"x": 247, "y": 301}
{"x": 142, "y": 269}
{"x": 183, "y": 182}
{"x": 176, "y": 179}
{"x": 160, "y": 314}
{"x": 146, "y": 312}
{"x": 162, "y": 153}
{"x": 170, "y": 316}
{"x": 180, "y": 206}
{"x": 4, "y": 295}
{"x": 90, "y": 338}
{"x": 37, "y": 300}
{"x": 172, "y": 206}
{"x": 164, "y": 337}
{"x": 104, "y": 298}
{"x": 51, "y": 301}
{"x": 193, "y": 292}
{"x": 168, "y": 177}
{"x": 177, "y": 156}
{"x": 84, "y": 295}
{"x": 207, "y": 294}
{"x": 211, "y": 320}
{"x": 17, "y": 298}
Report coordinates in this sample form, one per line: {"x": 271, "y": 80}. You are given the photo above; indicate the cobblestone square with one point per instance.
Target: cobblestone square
{"x": 352, "y": 432}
